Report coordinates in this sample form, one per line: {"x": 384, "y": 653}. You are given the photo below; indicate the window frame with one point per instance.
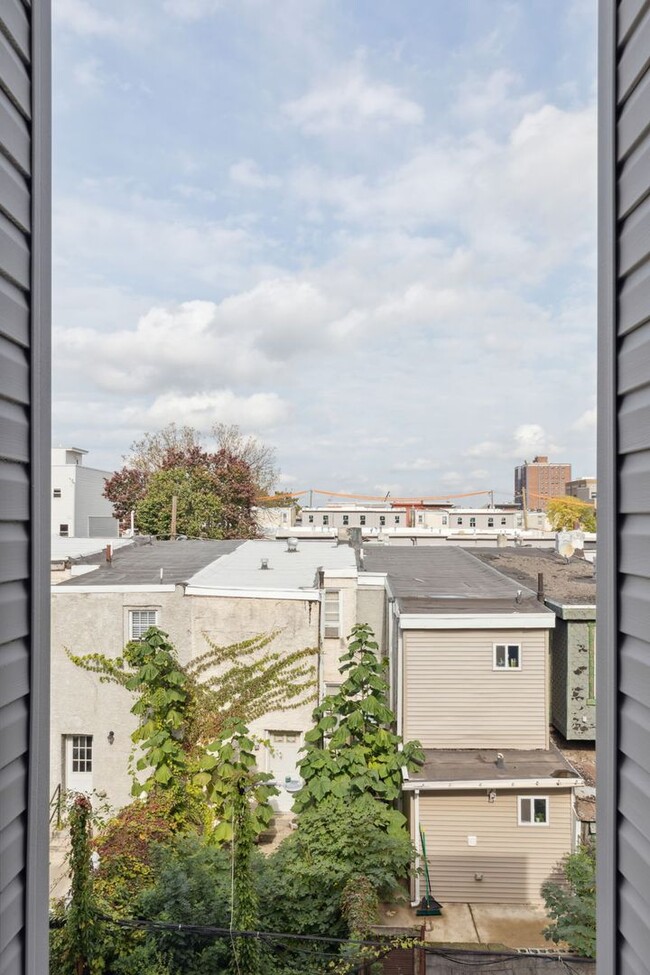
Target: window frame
{"x": 507, "y": 668}
{"x": 346, "y": 520}
{"x": 64, "y": 530}
{"x": 533, "y": 800}
{"x": 140, "y": 609}
{"x": 328, "y": 630}
{"x": 472, "y": 522}
{"x": 56, "y": 492}
{"x": 362, "y": 520}
{"x": 81, "y": 754}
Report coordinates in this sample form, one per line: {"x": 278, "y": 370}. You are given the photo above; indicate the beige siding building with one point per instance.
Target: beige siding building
{"x": 469, "y": 650}
{"x": 480, "y": 851}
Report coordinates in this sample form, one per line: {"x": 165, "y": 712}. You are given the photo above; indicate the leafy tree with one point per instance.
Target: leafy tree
{"x": 352, "y": 750}
{"x": 340, "y": 847}
{"x": 260, "y": 457}
{"x": 199, "y": 510}
{"x": 215, "y": 489}
{"x": 565, "y": 512}
{"x": 227, "y": 771}
{"x": 572, "y": 904}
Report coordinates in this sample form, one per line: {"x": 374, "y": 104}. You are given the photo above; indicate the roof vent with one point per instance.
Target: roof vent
{"x": 500, "y": 762}
{"x": 264, "y": 564}
{"x": 292, "y": 544}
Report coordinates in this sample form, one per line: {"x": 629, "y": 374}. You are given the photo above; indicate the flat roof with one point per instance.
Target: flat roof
{"x": 63, "y": 548}
{"x": 139, "y": 564}
{"x": 241, "y": 568}
{"x": 433, "y": 579}
{"x": 569, "y": 582}
{"x": 480, "y": 764}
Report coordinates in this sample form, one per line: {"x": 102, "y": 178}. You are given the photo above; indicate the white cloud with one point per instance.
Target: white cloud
{"x": 202, "y": 410}
{"x": 191, "y": 9}
{"x": 586, "y": 423}
{"x": 525, "y": 442}
{"x": 246, "y": 172}
{"x": 349, "y": 100}
{"x": 419, "y": 464}
{"x": 82, "y": 17}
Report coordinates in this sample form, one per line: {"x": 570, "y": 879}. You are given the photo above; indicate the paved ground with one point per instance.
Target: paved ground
{"x": 513, "y": 925}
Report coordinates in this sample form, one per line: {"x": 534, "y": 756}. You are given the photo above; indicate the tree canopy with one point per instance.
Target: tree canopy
{"x": 215, "y": 490}
{"x": 565, "y": 512}
{"x": 352, "y": 750}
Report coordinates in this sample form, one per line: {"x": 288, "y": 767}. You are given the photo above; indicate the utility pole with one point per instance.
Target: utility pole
{"x": 491, "y": 493}
{"x": 173, "y": 524}
{"x": 311, "y": 498}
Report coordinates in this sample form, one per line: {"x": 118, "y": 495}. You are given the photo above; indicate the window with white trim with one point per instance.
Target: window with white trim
{"x": 82, "y": 753}
{"x": 326, "y": 519}
{"x": 490, "y": 522}
{"x": 64, "y": 531}
{"x": 56, "y": 492}
{"x": 362, "y": 519}
{"x": 140, "y": 620}
{"x": 346, "y": 519}
{"x": 507, "y": 656}
{"x": 472, "y": 523}
{"x": 310, "y": 519}
{"x": 332, "y": 613}
{"x": 459, "y": 521}
{"x": 382, "y": 520}
{"x": 533, "y": 811}
{"x": 444, "y": 519}
{"x": 503, "y": 521}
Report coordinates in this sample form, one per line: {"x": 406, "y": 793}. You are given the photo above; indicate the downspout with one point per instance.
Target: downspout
{"x": 321, "y": 626}
{"x": 400, "y": 677}
{"x": 418, "y": 848}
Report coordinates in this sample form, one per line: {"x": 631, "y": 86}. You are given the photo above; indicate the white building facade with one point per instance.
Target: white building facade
{"x": 79, "y": 508}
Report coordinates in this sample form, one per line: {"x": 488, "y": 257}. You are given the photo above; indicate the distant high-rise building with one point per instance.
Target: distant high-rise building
{"x": 539, "y": 481}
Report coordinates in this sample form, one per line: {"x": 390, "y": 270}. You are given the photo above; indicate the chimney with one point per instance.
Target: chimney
{"x": 540, "y": 587}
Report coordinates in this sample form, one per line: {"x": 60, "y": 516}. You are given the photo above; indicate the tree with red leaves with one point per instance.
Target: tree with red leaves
{"x": 215, "y": 491}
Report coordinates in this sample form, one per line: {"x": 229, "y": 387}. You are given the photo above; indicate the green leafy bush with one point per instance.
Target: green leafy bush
{"x": 572, "y": 904}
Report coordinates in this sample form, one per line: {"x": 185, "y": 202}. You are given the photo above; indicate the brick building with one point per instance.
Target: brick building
{"x": 539, "y": 481}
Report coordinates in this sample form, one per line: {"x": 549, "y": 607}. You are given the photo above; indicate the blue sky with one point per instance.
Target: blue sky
{"x": 364, "y": 231}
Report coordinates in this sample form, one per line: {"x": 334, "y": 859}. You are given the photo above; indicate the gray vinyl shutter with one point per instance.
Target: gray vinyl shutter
{"x": 623, "y": 730}
{"x": 24, "y": 480}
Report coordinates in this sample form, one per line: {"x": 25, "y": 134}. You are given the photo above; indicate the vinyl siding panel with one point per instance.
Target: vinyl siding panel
{"x": 454, "y": 699}
{"x": 24, "y": 492}
{"x": 513, "y": 860}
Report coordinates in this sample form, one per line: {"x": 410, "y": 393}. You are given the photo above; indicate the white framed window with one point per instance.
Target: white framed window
{"x": 533, "y": 811}
{"x": 397, "y": 519}
{"x": 490, "y": 522}
{"x": 420, "y": 519}
{"x": 310, "y": 519}
{"x": 140, "y": 620}
{"x": 64, "y": 530}
{"x": 459, "y": 521}
{"x": 346, "y": 519}
{"x": 332, "y": 613}
{"x": 507, "y": 656}
{"x": 362, "y": 519}
{"x": 82, "y": 753}
{"x": 472, "y": 523}
{"x": 382, "y": 519}
{"x": 503, "y": 521}
{"x": 326, "y": 519}
{"x": 444, "y": 519}
{"x": 56, "y": 493}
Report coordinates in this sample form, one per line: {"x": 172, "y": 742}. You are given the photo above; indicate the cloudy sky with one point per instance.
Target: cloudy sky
{"x": 364, "y": 231}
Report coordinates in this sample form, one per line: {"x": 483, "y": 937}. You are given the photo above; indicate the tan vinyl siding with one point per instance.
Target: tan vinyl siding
{"x": 454, "y": 699}
{"x": 513, "y": 860}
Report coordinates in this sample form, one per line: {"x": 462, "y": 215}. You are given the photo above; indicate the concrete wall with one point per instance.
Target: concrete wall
{"x": 453, "y": 698}
{"x": 573, "y": 702}
{"x": 511, "y": 860}
{"x": 98, "y": 622}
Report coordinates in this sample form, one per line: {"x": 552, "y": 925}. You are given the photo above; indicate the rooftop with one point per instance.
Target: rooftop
{"x": 63, "y": 549}
{"x": 569, "y": 582}
{"x": 140, "y": 564}
{"x": 431, "y": 579}
{"x": 241, "y": 569}
{"x": 480, "y": 764}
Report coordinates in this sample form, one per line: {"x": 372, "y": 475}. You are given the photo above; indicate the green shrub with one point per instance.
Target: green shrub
{"x": 572, "y": 904}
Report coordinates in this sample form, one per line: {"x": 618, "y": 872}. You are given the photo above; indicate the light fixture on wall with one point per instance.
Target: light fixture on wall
{"x": 110, "y": 737}
{"x": 491, "y": 796}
